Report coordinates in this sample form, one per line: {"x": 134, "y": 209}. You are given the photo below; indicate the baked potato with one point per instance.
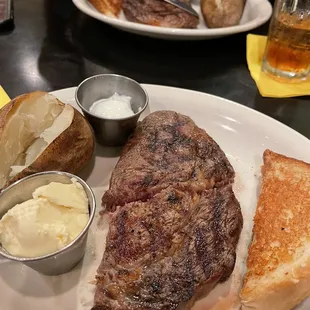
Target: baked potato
{"x": 40, "y": 133}
{"x": 222, "y": 13}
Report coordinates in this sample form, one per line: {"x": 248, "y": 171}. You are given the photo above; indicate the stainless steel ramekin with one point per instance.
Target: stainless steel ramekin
{"x": 111, "y": 132}
{"x": 66, "y": 258}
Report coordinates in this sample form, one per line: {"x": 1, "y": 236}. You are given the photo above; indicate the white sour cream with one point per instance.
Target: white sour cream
{"x": 117, "y": 106}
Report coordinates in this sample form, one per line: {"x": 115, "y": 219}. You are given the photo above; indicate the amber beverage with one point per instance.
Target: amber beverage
{"x": 287, "y": 54}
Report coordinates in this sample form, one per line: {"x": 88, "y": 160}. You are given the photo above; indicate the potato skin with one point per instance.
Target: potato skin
{"x": 4, "y": 111}
{"x": 222, "y": 13}
{"x": 10, "y": 107}
{"x": 69, "y": 152}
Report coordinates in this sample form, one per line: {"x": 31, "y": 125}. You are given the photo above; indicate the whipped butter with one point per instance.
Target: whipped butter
{"x": 49, "y": 221}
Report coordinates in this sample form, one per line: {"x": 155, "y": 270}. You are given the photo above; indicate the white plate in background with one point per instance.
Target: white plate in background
{"x": 256, "y": 13}
{"x": 241, "y": 132}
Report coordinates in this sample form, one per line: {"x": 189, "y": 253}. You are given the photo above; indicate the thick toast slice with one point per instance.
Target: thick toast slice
{"x": 278, "y": 264}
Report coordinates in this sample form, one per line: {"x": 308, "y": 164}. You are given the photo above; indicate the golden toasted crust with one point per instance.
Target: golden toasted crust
{"x": 280, "y": 236}
{"x": 108, "y": 7}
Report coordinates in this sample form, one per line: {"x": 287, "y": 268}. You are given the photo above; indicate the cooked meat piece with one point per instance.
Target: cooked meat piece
{"x": 158, "y": 13}
{"x": 167, "y": 149}
{"x": 165, "y": 253}
{"x": 176, "y": 221}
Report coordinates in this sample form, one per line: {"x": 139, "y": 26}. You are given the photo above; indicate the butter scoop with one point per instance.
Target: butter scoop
{"x": 66, "y": 195}
{"x": 52, "y": 219}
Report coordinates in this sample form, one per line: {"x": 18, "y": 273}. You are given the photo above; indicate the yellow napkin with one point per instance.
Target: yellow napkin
{"x": 268, "y": 87}
{"x": 4, "y": 98}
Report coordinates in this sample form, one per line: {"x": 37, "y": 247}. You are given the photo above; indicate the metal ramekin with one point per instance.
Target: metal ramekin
{"x": 66, "y": 258}
{"x": 111, "y": 132}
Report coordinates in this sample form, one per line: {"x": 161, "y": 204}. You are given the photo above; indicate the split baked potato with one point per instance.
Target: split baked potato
{"x": 222, "y": 13}
{"x": 40, "y": 133}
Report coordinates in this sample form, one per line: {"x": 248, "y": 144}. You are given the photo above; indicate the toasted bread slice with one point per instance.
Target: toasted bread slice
{"x": 110, "y": 8}
{"x": 278, "y": 275}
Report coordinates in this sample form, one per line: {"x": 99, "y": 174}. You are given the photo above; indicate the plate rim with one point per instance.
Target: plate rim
{"x": 237, "y": 105}
{"x": 83, "y": 6}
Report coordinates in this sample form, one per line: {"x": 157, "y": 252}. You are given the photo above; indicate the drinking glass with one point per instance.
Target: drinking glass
{"x": 287, "y": 53}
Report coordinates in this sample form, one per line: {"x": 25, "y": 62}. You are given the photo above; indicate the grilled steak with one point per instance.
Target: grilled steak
{"x": 166, "y": 149}
{"x": 176, "y": 221}
{"x": 158, "y": 13}
{"x": 166, "y": 252}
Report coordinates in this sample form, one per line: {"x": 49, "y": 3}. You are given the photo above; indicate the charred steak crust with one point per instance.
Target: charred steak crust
{"x": 158, "y": 13}
{"x": 167, "y": 149}
{"x": 176, "y": 224}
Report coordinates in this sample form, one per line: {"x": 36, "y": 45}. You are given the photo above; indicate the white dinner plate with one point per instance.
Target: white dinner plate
{"x": 242, "y": 133}
{"x": 256, "y": 13}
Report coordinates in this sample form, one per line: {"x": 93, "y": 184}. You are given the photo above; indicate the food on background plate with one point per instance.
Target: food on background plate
{"x": 40, "y": 133}
{"x": 278, "y": 275}
{"x": 49, "y": 221}
{"x": 110, "y": 8}
{"x": 158, "y": 13}
{"x": 175, "y": 223}
{"x": 216, "y": 13}
{"x": 222, "y": 13}
{"x": 117, "y": 106}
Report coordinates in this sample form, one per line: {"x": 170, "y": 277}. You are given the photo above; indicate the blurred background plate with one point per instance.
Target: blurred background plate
{"x": 256, "y": 13}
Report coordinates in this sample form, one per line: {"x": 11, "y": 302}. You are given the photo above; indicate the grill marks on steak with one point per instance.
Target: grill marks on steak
{"x": 164, "y": 253}
{"x": 167, "y": 149}
{"x": 146, "y": 229}
{"x": 158, "y": 13}
{"x": 176, "y": 224}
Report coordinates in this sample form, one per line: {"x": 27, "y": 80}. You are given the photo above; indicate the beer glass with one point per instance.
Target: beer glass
{"x": 287, "y": 53}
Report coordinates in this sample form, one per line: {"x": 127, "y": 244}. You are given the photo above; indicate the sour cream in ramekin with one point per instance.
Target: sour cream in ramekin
{"x": 116, "y": 106}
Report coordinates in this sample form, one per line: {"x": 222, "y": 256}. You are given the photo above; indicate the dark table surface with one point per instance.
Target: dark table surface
{"x": 55, "y": 46}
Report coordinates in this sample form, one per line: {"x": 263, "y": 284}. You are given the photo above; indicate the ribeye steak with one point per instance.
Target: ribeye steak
{"x": 166, "y": 149}
{"x": 175, "y": 222}
{"x": 158, "y": 13}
